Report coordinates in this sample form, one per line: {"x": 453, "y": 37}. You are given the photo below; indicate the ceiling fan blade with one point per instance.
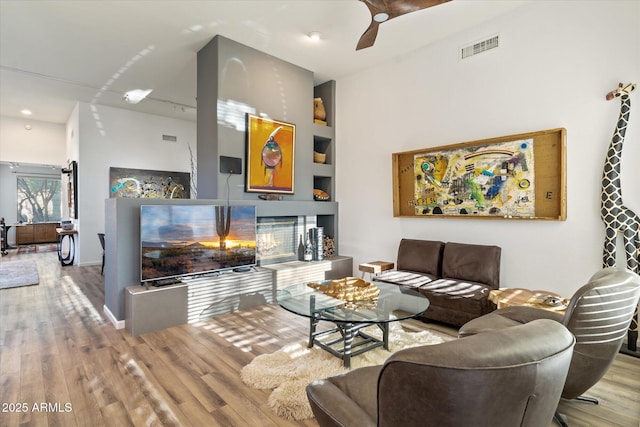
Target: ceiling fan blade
{"x": 369, "y": 36}
{"x": 390, "y": 9}
{"x": 400, "y": 7}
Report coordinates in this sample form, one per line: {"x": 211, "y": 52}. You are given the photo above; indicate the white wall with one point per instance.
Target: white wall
{"x": 44, "y": 143}
{"x": 556, "y": 62}
{"x": 112, "y": 137}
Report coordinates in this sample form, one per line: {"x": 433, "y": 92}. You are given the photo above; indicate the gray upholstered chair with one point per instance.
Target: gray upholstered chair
{"x": 509, "y": 377}
{"x": 598, "y": 315}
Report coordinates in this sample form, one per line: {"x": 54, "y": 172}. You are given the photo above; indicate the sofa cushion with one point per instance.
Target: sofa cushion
{"x": 461, "y": 295}
{"x": 476, "y": 263}
{"x": 422, "y": 256}
{"x": 404, "y": 278}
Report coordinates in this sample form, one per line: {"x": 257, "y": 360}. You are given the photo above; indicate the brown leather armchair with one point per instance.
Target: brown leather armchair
{"x": 499, "y": 378}
{"x": 598, "y": 315}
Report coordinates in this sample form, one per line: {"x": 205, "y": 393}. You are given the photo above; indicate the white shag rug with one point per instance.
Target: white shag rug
{"x": 289, "y": 370}
{"x": 18, "y": 273}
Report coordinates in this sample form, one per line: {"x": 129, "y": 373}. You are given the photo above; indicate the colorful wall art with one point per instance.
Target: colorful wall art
{"x": 488, "y": 180}
{"x": 148, "y": 184}
{"x": 270, "y": 155}
{"x": 520, "y": 177}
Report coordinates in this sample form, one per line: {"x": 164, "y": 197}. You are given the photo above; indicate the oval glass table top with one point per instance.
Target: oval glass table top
{"x": 392, "y": 304}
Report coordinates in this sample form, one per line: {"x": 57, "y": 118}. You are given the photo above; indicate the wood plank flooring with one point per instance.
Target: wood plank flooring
{"x": 63, "y": 364}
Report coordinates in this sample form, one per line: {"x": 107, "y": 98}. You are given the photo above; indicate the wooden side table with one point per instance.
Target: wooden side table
{"x": 375, "y": 267}
{"x": 539, "y": 299}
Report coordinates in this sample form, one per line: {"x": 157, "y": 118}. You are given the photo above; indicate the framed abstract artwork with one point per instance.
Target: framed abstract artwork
{"x": 270, "y": 155}
{"x": 511, "y": 177}
{"x": 148, "y": 184}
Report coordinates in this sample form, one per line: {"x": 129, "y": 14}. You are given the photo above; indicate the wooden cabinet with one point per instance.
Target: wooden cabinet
{"x": 24, "y": 234}
{"x": 36, "y": 233}
{"x": 45, "y": 233}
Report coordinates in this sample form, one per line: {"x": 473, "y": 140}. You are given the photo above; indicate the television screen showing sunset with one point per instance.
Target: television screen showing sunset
{"x": 193, "y": 239}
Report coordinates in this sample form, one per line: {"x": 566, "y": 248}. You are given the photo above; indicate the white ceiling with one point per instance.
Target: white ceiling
{"x": 55, "y": 53}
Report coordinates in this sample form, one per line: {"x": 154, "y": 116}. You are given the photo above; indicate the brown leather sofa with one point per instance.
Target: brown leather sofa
{"x": 503, "y": 378}
{"x": 455, "y": 277}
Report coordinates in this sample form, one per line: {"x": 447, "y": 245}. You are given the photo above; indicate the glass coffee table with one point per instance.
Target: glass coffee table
{"x": 394, "y": 303}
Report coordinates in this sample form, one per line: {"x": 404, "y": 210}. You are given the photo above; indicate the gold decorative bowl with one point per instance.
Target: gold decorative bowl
{"x": 348, "y": 289}
{"x": 320, "y": 195}
{"x": 319, "y": 157}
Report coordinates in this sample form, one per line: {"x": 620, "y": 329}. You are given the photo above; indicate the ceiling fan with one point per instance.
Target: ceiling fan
{"x": 384, "y": 10}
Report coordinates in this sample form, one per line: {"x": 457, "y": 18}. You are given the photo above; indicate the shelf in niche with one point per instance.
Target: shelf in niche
{"x": 322, "y": 170}
{"x": 328, "y": 223}
{"x": 322, "y": 131}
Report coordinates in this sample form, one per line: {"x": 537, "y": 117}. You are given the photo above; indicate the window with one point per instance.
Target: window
{"x": 39, "y": 199}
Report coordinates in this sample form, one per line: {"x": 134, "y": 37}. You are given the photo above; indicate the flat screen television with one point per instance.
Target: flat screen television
{"x": 182, "y": 240}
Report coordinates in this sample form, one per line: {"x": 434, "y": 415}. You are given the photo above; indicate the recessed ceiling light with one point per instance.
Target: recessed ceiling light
{"x": 136, "y": 95}
{"x": 314, "y": 35}
{"x": 26, "y": 112}
{"x": 380, "y": 17}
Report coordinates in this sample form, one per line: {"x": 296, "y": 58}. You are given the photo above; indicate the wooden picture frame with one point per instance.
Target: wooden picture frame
{"x": 270, "y": 156}
{"x": 519, "y": 176}
{"x": 72, "y": 189}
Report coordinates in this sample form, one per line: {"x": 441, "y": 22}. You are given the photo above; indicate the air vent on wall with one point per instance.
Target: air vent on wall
{"x": 169, "y": 138}
{"x": 479, "y": 47}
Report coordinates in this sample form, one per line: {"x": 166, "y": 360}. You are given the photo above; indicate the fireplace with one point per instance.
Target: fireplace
{"x": 277, "y": 239}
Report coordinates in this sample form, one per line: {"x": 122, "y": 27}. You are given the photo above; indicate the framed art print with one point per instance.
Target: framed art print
{"x": 270, "y": 155}
{"x": 519, "y": 176}
{"x": 148, "y": 184}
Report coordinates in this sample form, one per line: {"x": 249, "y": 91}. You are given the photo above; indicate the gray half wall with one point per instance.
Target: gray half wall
{"x": 232, "y": 80}
{"x": 122, "y": 237}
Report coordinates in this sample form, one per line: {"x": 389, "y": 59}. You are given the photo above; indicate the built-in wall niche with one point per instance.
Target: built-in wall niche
{"x": 323, "y": 183}
{"x": 326, "y": 91}
{"x": 328, "y": 222}
{"x": 322, "y": 146}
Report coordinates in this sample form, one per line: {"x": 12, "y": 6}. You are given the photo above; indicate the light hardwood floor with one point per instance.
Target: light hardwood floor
{"x": 57, "y": 348}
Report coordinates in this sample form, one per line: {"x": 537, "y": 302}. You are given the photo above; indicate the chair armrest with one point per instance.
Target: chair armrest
{"x": 489, "y": 348}
{"x": 506, "y": 318}
{"x": 332, "y": 407}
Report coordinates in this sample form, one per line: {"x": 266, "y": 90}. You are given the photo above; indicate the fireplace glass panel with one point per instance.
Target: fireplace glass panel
{"x": 276, "y": 239}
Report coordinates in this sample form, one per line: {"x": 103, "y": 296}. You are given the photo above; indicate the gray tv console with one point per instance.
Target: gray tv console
{"x": 150, "y": 309}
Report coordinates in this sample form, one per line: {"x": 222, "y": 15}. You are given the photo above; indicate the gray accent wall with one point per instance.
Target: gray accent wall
{"x": 234, "y": 79}
{"x": 122, "y": 232}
